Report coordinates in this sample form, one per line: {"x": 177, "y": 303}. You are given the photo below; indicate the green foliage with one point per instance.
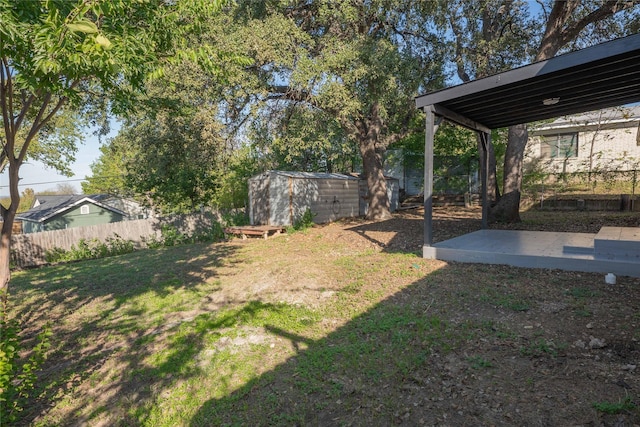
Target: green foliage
{"x": 107, "y": 172}
{"x": 91, "y": 249}
{"x": 479, "y": 362}
{"x": 305, "y": 222}
{"x": 235, "y": 217}
{"x": 61, "y": 61}
{"x": 305, "y": 139}
{"x": 233, "y": 187}
{"x": 171, "y": 236}
{"x": 615, "y": 407}
{"x": 173, "y": 153}
{"x": 331, "y": 83}
{"x": 176, "y": 158}
{"x": 510, "y": 302}
{"x": 18, "y": 378}
{"x": 541, "y": 347}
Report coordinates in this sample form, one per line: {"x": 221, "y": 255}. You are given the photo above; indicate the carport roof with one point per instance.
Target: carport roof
{"x": 601, "y": 76}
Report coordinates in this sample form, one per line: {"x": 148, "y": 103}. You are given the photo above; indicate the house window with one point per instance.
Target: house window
{"x": 638, "y": 136}
{"x": 84, "y": 210}
{"x": 560, "y": 146}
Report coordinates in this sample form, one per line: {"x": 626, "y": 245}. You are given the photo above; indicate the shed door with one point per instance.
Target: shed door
{"x": 259, "y": 201}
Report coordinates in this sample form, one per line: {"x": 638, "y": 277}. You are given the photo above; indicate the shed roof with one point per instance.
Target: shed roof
{"x": 597, "y": 77}
{"x": 307, "y": 175}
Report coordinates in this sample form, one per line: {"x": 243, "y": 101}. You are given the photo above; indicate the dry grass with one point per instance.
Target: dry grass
{"x": 343, "y": 324}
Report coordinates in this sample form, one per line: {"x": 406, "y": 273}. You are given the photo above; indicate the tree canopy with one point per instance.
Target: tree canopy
{"x": 329, "y": 86}
{"x": 81, "y": 58}
{"x": 340, "y": 76}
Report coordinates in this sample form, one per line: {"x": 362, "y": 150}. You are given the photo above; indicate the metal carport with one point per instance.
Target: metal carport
{"x": 601, "y": 76}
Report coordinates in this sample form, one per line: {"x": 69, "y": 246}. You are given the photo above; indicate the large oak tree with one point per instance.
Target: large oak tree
{"x": 357, "y": 63}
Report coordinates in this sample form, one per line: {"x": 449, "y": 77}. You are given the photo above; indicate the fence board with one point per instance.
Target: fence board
{"x": 29, "y": 250}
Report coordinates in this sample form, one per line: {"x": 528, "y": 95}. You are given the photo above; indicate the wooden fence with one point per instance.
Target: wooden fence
{"x": 29, "y": 250}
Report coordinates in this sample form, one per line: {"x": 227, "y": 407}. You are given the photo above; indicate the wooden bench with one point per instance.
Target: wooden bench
{"x": 265, "y": 231}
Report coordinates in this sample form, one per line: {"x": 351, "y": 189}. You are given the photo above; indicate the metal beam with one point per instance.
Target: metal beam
{"x": 581, "y": 59}
{"x": 593, "y": 78}
{"x": 458, "y": 119}
{"x": 485, "y": 140}
{"x": 429, "y": 130}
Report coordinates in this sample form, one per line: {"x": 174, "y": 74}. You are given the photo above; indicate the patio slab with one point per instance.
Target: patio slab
{"x": 618, "y": 243}
{"x": 532, "y": 249}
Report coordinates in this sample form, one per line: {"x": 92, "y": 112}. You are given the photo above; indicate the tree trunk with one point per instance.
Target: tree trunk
{"x": 379, "y": 206}
{"x": 560, "y": 29}
{"x": 8, "y": 215}
{"x": 492, "y": 179}
{"x": 5, "y": 252}
{"x": 508, "y": 207}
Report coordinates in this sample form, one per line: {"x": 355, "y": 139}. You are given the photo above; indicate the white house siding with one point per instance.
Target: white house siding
{"x": 410, "y": 179}
{"x": 616, "y": 144}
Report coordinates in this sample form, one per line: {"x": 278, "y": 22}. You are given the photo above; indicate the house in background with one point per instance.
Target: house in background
{"x": 601, "y": 140}
{"x": 451, "y": 174}
{"x": 67, "y": 211}
{"x": 408, "y": 168}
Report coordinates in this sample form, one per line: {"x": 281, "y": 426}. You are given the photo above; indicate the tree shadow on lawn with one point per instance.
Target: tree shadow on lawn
{"x": 407, "y": 228}
{"x": 453, "y": 349}
{"x": 89, "y": 306}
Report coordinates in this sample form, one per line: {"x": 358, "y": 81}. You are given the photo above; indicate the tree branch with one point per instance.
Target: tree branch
{"x": 556, "y": 36}
{"x": 6, "y": 90}
{"x": 291, "y": 94}
{"x": 462, "y": 73}
{"x": 23, "y": 112}
{"x": 610, "y": 8}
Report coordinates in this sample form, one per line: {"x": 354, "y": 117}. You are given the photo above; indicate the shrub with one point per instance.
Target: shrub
{"x": 89, "y": 249}
{"x": 18, "y": 379}
{"x": 305, "y": 222}
{"x": 171, "y": 236}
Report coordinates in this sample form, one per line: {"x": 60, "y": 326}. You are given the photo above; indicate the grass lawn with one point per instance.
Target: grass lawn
{"x": 343, "y": 324}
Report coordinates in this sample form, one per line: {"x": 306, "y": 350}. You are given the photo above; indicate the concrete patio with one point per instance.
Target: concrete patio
{"x": 612, "y": 250}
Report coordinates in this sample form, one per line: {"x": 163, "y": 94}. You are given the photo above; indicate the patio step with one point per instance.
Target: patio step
{"x": 618, "y": 243}
{"x": 578, "y": 250}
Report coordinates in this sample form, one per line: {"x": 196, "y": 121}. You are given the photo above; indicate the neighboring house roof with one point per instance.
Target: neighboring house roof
{"x": 46, "y": 207}
{"x": 610, "y": 117}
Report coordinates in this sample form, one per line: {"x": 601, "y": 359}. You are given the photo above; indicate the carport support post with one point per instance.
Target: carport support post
{"x": 429, "y": 130}
{"x": 485, "y": 139}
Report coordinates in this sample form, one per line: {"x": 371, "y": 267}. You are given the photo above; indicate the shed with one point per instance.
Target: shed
{"x": 282, "y": 198}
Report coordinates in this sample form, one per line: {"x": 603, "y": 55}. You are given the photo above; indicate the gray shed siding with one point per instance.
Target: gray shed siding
{"x": 259, "y": 200}
{"x": 282, "y": 198}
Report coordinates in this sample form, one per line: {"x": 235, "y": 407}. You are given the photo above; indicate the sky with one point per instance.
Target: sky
{"x": 35, "y": 175}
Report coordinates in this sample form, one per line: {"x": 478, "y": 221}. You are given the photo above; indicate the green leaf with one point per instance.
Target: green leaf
{"x": 86, "y": 27}
{"x": 103, "y": 41}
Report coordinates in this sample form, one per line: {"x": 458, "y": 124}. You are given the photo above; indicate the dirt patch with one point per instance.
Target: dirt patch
{"x": 545, "y": 347}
